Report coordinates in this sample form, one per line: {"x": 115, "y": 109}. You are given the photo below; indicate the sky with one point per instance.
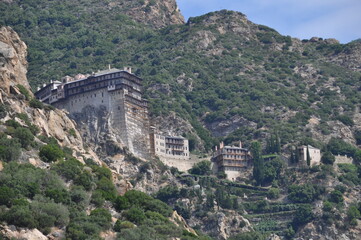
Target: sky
{"x": 340, "y": 19}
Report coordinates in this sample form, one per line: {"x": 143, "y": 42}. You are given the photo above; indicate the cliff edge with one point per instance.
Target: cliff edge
{"x": 13, "y": 64}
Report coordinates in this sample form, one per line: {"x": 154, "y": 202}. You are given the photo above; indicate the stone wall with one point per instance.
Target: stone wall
{"x": 123, "y": 122}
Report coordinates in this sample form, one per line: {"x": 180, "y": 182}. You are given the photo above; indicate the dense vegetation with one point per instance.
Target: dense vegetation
{"x": 272, "y": 82}
{"x": 68, "y": 194}
{"x": 231, "y": 75}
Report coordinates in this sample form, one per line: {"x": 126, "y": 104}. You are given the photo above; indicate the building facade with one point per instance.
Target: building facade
{"x": 315, "y": 155}
{"x": 118, "y": 92}
{"x": 171, "y": 147}
{"x": 232, "y": 160}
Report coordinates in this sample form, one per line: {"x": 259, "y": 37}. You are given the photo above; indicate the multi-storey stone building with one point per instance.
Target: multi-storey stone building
{"x": 233, "y": 160}
{"x": 171, "y": 147}
{"x": 118, "y": 92}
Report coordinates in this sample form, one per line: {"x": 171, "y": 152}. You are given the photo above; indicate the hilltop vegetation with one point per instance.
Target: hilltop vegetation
{"x": 217, "y": 68}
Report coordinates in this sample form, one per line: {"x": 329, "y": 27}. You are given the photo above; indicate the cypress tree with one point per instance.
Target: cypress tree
{"x": 308, "y": 157}
{"x": 258, "y": 163}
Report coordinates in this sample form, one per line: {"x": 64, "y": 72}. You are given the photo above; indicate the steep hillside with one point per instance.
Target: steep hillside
{"x": 53, "y": 186}
{"x": 221, "y": 71}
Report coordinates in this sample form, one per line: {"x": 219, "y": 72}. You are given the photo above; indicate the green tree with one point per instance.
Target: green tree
{"x": 258, "y": 162}
{"x": 201, "y": 168}
{"x": 273, "y": 144}
{"x": 302, "y": 215}
{"x": 328, "y": 158}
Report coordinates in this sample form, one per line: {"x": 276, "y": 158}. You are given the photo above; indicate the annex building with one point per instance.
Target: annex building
{"x": 171, "y": 147}
{"x": 315, "y": 155}
{"x": 232, "y": 160}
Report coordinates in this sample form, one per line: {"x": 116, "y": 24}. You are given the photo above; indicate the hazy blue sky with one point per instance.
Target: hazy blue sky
{"x": 340, "y": 19}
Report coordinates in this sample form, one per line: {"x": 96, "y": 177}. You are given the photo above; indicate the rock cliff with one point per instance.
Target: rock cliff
{"x": 13, "y": 64}
{"x": 51, "y": 122}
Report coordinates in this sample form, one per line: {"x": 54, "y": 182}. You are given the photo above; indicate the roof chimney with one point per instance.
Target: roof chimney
{"x": 240, "y": 144}
{"x": 221, "y": 145}
{"x": 128, "y": 69}
{"x": 216, "y": 148}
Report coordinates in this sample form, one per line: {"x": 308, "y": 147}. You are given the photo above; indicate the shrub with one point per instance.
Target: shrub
{"x": 9, "y": 149}
{"x": 106, "y": 187}
{"x": 345, "y": 120}
{"x": 58, "y": 195}
{"x": 70, "y": 169}
{"x": 24, "y": 91}
{"x": 306, "y": 193}
{"x": 79, "y": 196}
{"x": 273, "y": 193}
{"x": 167, "y": 193}
{"x": 302, "y": 216}
{"x": 353, "y": 213}
{"x": 6, "y": 195}
{"x": 119, "y": 225}
{"x": 101, "y": 172}
{"x": 48, "y": 213}
{"x": 51, "y": 153}
{"x": 82, "y": 228}
{"x": 338, "y": 146}
{"x": 135, "y": 215}
{"x": 35, "y": 103}
{"x": 327, "y": 206}
{"x": 85, "y": 179}
{"x": 21, "y": 216}
{"x": 97, "y": 198}
{"x": 156, "y": 205}
{"x": 336, "y": 197}
{"x": 102, "y": 217}
{"x": 24, "y": 135}
{"x": 121, "y": 203}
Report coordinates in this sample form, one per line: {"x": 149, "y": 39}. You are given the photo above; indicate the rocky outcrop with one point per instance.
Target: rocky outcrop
{"x": 222, "y": 225}
{"x": 13, "y": 64}
{"x": 158, "y": 14}
{"x": 221, "y": 128}
{"x": 10, "y": 232}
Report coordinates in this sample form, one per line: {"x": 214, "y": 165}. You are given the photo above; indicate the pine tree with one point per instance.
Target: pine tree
{"x": 297, "y": 155}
